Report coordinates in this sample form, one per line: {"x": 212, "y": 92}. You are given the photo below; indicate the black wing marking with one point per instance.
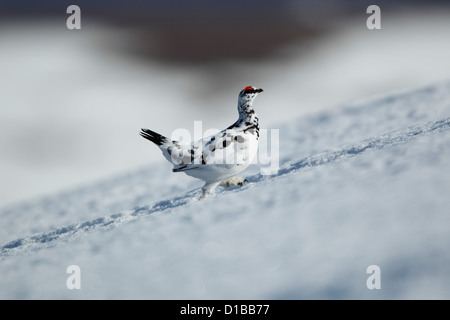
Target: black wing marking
{"x": 183, "y": 168}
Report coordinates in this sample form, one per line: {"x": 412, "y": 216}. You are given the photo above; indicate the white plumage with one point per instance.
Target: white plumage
{"x": 218, "y": 158}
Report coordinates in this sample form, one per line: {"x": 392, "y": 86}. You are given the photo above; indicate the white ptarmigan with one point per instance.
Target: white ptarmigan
{"x": 219, "y": 158}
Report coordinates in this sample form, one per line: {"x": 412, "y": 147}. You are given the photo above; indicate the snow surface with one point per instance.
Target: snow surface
{"x": 364, "y": 184}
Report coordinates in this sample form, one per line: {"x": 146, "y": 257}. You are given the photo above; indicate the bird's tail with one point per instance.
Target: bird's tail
{"x": 154, "y": 137}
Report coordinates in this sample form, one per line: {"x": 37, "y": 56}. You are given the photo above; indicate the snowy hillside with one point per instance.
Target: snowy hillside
{"x": 363, "y": 184}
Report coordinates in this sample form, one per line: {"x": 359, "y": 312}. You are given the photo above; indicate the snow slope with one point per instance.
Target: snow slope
{"x": 364, "y": 184}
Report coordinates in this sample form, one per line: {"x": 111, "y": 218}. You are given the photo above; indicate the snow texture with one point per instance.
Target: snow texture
{"x": 364, "y": 184}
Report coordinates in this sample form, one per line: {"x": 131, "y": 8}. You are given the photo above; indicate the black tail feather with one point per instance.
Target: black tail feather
{"x": 154, "y": 137}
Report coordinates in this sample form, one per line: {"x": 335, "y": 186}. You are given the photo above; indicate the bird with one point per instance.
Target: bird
{"x": 216, "y": 159}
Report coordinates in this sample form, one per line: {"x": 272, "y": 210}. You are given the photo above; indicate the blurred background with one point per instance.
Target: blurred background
{"x": 72, "y": 101}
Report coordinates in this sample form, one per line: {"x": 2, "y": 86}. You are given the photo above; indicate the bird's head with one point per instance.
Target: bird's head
{"x": 249, "y": 93}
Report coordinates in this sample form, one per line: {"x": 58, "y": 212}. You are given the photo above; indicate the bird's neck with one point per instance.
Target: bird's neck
{"x": 248, "y": 121}
{"x": 247, "y": 115}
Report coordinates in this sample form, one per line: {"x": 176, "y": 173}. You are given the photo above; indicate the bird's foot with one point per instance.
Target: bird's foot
{"x": 233, "y": 181}
{"x": 208, "y": 189}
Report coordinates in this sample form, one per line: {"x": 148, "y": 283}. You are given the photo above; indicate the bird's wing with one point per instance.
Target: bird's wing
{"x": 198, "y": 153}
{"x": 227, "y": 147}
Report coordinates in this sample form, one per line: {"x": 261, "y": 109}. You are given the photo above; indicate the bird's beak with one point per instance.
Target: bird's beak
{"x": 259, "y": 90}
